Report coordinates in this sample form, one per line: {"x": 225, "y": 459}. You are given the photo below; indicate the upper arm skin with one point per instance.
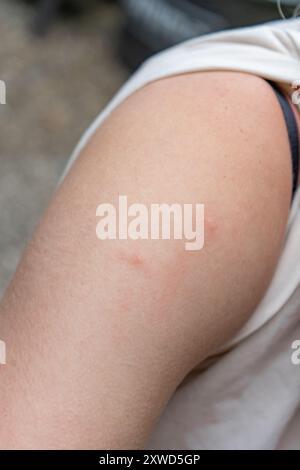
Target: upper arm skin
{"x": 100, "y": 333}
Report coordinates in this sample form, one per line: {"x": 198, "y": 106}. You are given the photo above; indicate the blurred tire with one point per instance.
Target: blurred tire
{"x": 153, "y": 25}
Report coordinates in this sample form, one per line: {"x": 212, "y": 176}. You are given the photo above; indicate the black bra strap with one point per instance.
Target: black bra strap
{"x": 292, "y": 129}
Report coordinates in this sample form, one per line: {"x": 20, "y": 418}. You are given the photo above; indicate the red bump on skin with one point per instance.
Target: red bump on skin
{"x": 124, "y": 306}
{"x": 134, "y": 261}
{"x": 211, "y": 227}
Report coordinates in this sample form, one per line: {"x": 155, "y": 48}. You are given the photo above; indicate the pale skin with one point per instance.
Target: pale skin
{"x": 100, "y": 334}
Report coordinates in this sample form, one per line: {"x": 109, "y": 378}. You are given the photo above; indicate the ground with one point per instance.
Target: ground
{"x": 55, "y": 86}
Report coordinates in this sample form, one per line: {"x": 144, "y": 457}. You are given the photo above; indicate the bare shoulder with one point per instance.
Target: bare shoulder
{"x": 218, "y": 138}
{"x": 229, "y": 120}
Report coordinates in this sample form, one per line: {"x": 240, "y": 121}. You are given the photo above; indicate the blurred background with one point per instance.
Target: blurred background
{"x": 62, "y": 61}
